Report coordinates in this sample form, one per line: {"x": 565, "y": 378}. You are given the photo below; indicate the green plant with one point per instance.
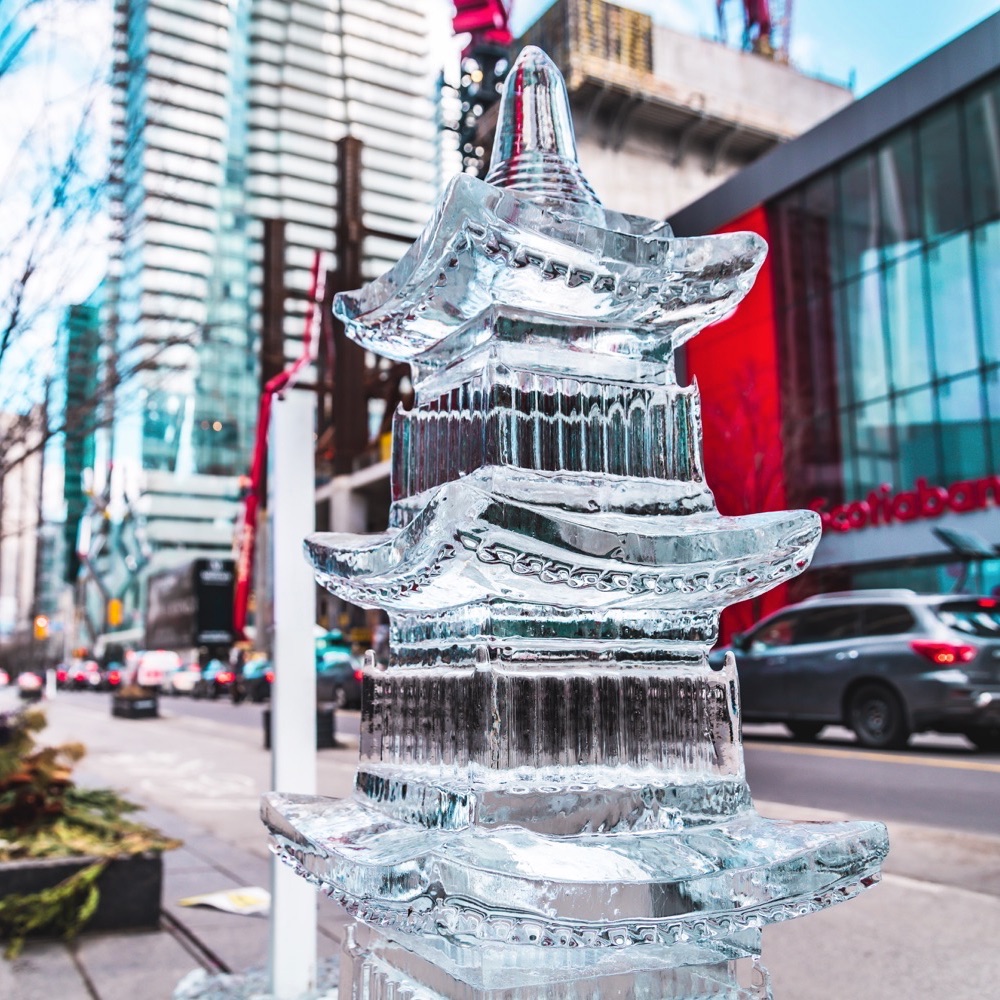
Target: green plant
{"x": 43, "y": 814}
{"x": 62, "y": 909}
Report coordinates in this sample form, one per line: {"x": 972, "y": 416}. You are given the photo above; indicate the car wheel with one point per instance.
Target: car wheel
{"x": 876, "y": 716}
{"x": 805, "y": 732}
{"x": 985, "y": 738}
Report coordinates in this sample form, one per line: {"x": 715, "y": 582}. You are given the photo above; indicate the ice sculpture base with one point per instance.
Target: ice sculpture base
{"x": 513, "y": 886}
{"x": 380, "y": 965}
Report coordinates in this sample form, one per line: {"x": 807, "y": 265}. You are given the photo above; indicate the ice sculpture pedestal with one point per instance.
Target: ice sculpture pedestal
{"x": 551, "y": 799}
{"x": 382, "y": 967}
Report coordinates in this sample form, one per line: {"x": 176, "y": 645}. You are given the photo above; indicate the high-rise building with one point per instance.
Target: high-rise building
{"x": 228, "y": 112}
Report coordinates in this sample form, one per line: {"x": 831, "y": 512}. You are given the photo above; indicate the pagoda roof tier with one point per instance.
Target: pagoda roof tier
{"x": 493, "y": 266}
{"x": 468, "y": 545}
{"x": 745, "y": 872}
{"x": 530, "y": 256}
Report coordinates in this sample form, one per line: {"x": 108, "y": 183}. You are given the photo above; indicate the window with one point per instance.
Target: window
{"x": 941, "y": 170}
{"x": 917, "y": 437}
{"x": 886, "y": 619}
{"x": 949, "y": 276}
{"x": 898, "y": 199}
{"x": 986, "y": 251}
{"x": 828, "y": 625}
{"x": 981, "y": 618}
{"x": 962, "y": 429}
{"x": 905, "y": 315}
{"x": 982, "y": 133}
{"x": 859, "y": 216}
{"x": 780, "y": 632}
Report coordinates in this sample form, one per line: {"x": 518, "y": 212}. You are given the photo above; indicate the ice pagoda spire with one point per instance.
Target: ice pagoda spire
{"x": 535, "y": 149}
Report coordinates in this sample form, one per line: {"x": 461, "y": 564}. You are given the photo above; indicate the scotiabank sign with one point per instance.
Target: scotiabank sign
{"x": 882, "y": 506}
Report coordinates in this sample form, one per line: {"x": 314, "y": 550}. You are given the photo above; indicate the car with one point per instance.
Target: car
{"x": 30, "y": 686}
{"x": 338, "y": 677}
{"x": 149, "y": 667}
{"x": 182, "y": 678}
{"x": 256, "y": 680}
{"x": 884, "y": 663}
{"x": 112, "y": 676}
{"x": 4, "y": 677}
{"x": 62, "y": 675}
{"x": 215, "y": 680}
{"x": 83, "y": 675}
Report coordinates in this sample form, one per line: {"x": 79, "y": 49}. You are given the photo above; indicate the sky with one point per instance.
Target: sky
{"x": 864, "y": 41}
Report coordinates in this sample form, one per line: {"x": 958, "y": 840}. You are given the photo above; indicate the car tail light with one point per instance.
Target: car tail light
{"x": 114, "y": 677}
{"x": 224, "y": 677}
{"x": 269, "y": 676}
{"x": 943, "y": 653}
{"x": 60, "y": 675}
{"x": 987, "y": 602}
{"x": 358, "y": 674}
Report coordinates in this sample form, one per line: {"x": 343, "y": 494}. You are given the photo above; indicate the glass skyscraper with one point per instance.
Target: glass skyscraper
{"x": 228, "y": 112}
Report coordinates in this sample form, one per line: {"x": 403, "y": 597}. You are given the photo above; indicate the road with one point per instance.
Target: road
{"x": 939, "y": 781}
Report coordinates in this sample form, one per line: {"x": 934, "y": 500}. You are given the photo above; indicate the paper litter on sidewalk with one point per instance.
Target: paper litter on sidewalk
{"x": 246, "y": 901}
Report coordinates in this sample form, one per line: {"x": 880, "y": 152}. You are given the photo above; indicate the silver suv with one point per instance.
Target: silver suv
{"x": 886, "y": 663}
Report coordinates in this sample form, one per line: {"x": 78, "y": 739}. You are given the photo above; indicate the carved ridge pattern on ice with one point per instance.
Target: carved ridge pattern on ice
{"x": 513, "y": 258}
{"x": 467, "y": 546}
{"x": 542, "y": 424}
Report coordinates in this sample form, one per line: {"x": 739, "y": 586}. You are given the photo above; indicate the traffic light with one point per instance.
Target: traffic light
{"x": 41, "y": 627}
{"x": 114, "y": 612}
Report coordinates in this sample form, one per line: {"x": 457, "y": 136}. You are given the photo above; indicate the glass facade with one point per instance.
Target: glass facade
{"x": 180, "y": 299}
{"x": 887, "y": 286}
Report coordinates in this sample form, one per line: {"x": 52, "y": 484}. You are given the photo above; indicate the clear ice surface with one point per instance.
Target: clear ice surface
{"x": 551, "y": 772}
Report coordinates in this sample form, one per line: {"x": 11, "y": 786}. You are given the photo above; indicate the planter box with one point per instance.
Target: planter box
{"x": 326, "y": 728}
{"x": 147, "y": 707}
{"x": 130, "y": 887}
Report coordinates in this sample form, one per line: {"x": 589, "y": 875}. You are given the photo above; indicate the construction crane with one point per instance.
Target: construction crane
{"x": 485, "y": 61}
{"x": 766, "y": 26}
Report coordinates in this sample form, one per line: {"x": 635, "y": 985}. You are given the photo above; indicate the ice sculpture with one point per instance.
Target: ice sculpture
{"x": 551, "y": 799}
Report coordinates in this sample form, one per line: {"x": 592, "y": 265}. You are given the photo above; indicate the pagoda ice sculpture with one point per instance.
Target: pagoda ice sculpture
{"x": 551, "y": 799}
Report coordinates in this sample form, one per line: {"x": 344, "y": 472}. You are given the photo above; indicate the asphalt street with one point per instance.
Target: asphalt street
{"x": 938, "y": 781}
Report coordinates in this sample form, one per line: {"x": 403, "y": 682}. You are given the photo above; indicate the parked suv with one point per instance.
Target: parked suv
{"x": 886, "y": 663}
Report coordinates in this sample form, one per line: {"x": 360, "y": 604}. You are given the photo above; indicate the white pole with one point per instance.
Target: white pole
{"x": 291, "y": 489}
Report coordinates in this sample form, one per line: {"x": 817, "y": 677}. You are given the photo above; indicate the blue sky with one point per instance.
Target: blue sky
{"x": 871, "y": 40}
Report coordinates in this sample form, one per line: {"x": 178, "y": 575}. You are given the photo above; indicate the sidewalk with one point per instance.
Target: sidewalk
{"x": 931, "y": 929}
{"x": 147, "y": 965}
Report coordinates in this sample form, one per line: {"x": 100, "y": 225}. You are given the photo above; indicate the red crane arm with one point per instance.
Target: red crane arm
{"x": 248, "y": 530}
